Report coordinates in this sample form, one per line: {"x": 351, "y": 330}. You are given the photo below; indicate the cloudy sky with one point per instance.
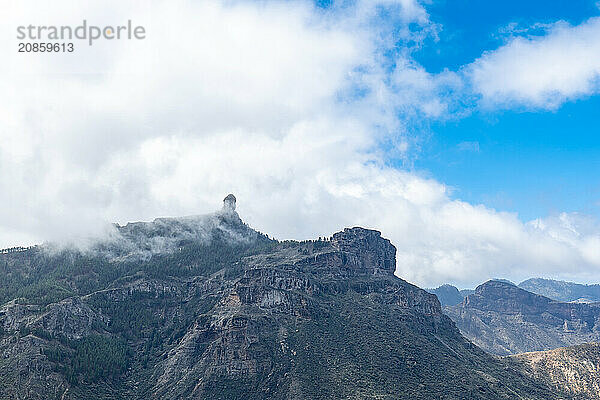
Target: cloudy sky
{"x": 466, "y": 132}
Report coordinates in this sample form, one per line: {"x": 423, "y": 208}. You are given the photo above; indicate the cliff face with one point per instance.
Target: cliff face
{"x": 224, "y": 312}
{"x": 505, "y": 319}
{"x": 365, "y": 251}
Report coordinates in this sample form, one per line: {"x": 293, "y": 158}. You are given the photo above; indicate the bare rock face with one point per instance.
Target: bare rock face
{"x": 365, "y": 250}
{"x": 14, "y": 316}
{"x": 70, "y": 318}
{"x": 229, "y": 203}
{"x": 26, "y": 371}
{"x": 505, "y": 319}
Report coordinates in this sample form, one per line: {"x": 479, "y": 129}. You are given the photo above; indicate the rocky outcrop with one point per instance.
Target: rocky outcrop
{"x": 70, "y": 318}
{"x": 505, "y": 319}
{"x": 26, "y": 373}
{"x": 365, "y": 251}
{"x": 14, "y": 316}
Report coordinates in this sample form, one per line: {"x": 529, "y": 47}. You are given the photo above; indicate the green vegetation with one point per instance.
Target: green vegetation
{"x": 90, "y": 359}
{"x": 39, "y": 277}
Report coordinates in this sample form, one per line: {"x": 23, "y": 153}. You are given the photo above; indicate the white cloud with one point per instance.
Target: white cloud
{"x": 279, "y": 103}
{"x": 311, "y": 183}
{"x": 206, "y": 68}
{"x": 541, "y": 71}
{"x": 415, "y": 88}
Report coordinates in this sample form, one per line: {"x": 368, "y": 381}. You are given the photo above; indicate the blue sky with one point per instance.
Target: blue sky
{"x": 472, "y": 27}
{"x": 533, "y": 162}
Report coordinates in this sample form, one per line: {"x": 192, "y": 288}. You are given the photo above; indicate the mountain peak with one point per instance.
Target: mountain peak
{"x": 447, "y": 294}
{"x": 367, "y": 249}
{"x": 500, "y": 295}
{"x": 229, "y": 203}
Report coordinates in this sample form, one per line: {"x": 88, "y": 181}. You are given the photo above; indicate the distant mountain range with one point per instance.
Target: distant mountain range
{"x": 533, "y": 322}
{"x": 504, "y": 319}
{"x": 563, "y": 291}
{"x": 553, "y": 289}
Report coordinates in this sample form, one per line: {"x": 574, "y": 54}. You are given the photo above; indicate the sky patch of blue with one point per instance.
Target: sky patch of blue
{"x": 536, "y": 163}
{"x": 470, "y": 27}
{"x": 533, "y": 162}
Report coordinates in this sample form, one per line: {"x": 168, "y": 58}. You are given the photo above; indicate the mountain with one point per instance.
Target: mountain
{"x": 504, "y": 319}
{"x": 207, "y": 308}
{"x": 573, "y": 370}
{"x": 448, "y": 295}
{"x": 563, "y": 291}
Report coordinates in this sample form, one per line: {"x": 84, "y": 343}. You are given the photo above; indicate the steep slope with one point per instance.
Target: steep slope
{"x": 574, "y": 370}
{"x": 504, "y": 319}
{"x": 223, "y": 312}
{"x": 562, "y": 291}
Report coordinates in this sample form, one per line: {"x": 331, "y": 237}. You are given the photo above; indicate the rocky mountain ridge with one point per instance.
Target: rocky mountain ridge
{"x": 567, "y": 292}
{"x": 227, "y": 313}
{"x": 504, "y": 319}
{"x": 562, "y": 291}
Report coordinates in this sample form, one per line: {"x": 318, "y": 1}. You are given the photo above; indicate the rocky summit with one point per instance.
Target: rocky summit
{"x": 208, "y": 308}
{"x": 505, "y": 319}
